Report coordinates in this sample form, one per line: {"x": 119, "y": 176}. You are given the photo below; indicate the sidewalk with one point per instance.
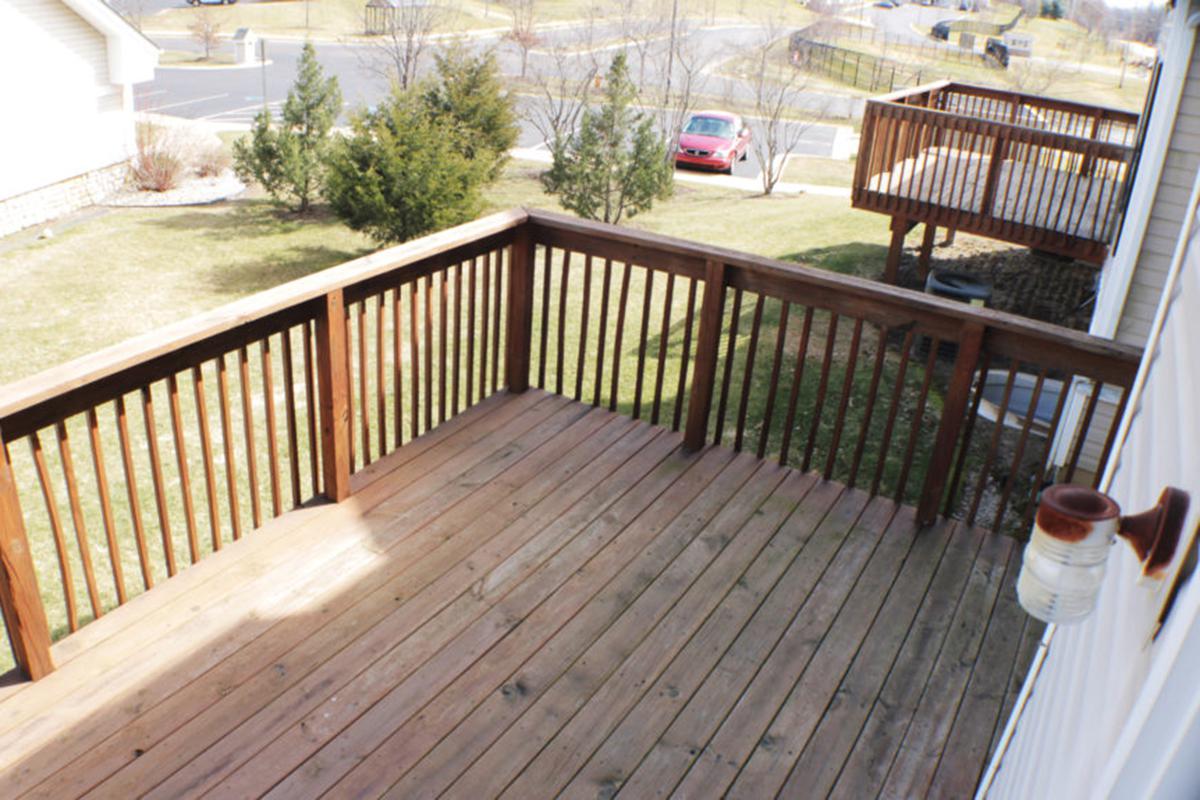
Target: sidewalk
{"x": 752, "y": 185}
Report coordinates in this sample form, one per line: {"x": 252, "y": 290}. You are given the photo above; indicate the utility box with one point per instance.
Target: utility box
{"x": 245, "y": 46}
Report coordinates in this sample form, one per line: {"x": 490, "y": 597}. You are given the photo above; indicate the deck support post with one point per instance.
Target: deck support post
{"x": 954, "y": 407}
{"x": 926, "y": 250}
{"x": 520, "y": 310}
{"x": 333, "y": 383}
{"x": 704, "y": 372}
{"x": 892, "y": 268}
{"x": 20, "y": 601}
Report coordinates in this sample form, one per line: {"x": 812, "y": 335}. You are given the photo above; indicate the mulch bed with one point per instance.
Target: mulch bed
{"x": 1036, "y": 285}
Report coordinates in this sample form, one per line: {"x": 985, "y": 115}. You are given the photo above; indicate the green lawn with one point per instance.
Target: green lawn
{"x": 318, "y": 18}
{"x": 821, "y": 171}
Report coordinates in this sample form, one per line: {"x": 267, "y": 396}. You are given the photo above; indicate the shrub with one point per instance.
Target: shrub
{"x": 288, "y": 160}
{"x": 212, "y": 161}
{"x": 615, "y": 165}
{"x": 403, "y": 171}
{"x": 158, "y": 165}
{"x": 469, "y": 90}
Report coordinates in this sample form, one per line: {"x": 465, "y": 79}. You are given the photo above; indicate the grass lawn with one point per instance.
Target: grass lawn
{"x": 341, "y": 18}
{"x": 821, "y": 171}
{"x": 183, "y": 58}
{"x": 325, "y": 18}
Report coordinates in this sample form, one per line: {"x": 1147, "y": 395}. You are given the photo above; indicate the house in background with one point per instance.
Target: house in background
{"x": 70, "y": 67}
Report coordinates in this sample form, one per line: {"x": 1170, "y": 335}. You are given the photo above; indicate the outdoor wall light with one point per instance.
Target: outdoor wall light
{"x": 1063, "y": 564}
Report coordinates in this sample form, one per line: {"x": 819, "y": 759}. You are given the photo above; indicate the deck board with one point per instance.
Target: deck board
{"x": 1065, "y": 201}
{"x": 541, "y": 598}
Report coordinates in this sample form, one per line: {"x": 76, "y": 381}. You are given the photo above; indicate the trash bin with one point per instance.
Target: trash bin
{"x": 958, "y": 286}
{"x": 954, "y": 286}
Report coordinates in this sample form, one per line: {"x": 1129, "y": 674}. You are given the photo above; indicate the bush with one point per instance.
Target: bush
{"x": 288, "y": 161}
{"x": 158, "y": 164}
{"x": 212, "y": 161}
{"x": 469, "y": 90}
{"x": 403, "y": 172}
{"x": 615, "y": 165}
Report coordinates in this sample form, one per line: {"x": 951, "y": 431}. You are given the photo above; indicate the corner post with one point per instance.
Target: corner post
{"x": 333, "y": 385}
{"x": 20, "y": 601}
{"x": 520, "y": 310}
{"x": 704, "y": 373}
{"x": 955, "y": 405}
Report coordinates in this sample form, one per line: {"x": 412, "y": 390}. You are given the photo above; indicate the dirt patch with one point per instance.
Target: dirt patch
{"x": 1026, "y": 282}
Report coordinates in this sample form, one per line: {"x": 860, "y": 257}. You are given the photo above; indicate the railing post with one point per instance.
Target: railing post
{"x": 953, "y": 408}
{"x": 333, "y": 385}
{"x": 704, "y": 373}
{"x": 520, "y": 310}
{"x": 20, "y": 601}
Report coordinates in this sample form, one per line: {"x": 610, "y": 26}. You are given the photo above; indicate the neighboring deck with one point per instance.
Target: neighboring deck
{"x": 540, "y": 597}
{"x": 1034, "y": 171}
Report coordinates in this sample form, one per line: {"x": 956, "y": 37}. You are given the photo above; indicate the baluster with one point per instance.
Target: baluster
{"x": 81, "y": 536}
{"x": 106, "y": 511}
{"x": 56, "y": 528}
{"x": 185, "y": 481}
{"x": 707, "y": 342}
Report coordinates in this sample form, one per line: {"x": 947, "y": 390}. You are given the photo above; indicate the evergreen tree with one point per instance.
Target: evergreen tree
{"x": 404, "y": 171}
{"x": 468, "y": 90}
{"x": 615, "y": 165}
{"x": 288, "y": 160}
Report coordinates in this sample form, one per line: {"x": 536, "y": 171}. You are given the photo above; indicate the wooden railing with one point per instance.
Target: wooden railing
{"x": 1035, "y": 171}
{"x": 878, "y": 387}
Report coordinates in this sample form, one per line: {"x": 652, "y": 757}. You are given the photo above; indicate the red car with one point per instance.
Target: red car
{"x": 713, "y": 139}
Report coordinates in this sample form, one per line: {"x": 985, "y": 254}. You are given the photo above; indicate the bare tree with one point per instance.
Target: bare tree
{"x": 776, "y": 84}
{"x": 397, "y": 52}
{"x": 682, "y": 64}
{"x": 523, "y": 33}
{"x": 641, "y": 27}
{"x": 134, "y": 11}
{"x": 564, "y": 81}
{"x": 207, "y": 31}
{"x": 1034, "y": 77}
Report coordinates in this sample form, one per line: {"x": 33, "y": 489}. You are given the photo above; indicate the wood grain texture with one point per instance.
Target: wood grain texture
{"x": 537, "y": 596}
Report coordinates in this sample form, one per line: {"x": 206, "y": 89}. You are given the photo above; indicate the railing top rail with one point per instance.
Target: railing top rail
{"x": 925, "y": 88}
{"x": 1008, "y": 333}
{"x": 1018, "y": 133}
{"x": 1105, "y": 359}
{"x": 95, "y": 368}
{"x": 1107, "y": 112}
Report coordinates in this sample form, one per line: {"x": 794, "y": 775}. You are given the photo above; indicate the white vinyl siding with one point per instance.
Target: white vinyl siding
{"x": 1166, "y": 215}
{"x": 1110, "y": 706}
{"x": 64, "y": 115}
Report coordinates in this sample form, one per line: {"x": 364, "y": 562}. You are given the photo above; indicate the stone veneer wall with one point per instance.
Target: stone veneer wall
{"x": 60, "y": 198}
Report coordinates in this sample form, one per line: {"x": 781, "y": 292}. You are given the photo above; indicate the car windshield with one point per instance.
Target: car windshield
{"x": 710, "y": 126}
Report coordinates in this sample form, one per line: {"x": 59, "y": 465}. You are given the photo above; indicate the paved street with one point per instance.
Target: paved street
{"x": 234, "y": 95}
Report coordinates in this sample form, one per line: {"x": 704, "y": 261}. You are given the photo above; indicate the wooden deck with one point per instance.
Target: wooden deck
{"x": 1034, "y": 171}
{"x": 536, "y": 598}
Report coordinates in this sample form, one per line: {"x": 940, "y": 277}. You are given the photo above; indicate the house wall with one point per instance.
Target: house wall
{"x": 1110, "y": 709}
{"x": 63, "y": 115}
{"x": 1167, "y": 211}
